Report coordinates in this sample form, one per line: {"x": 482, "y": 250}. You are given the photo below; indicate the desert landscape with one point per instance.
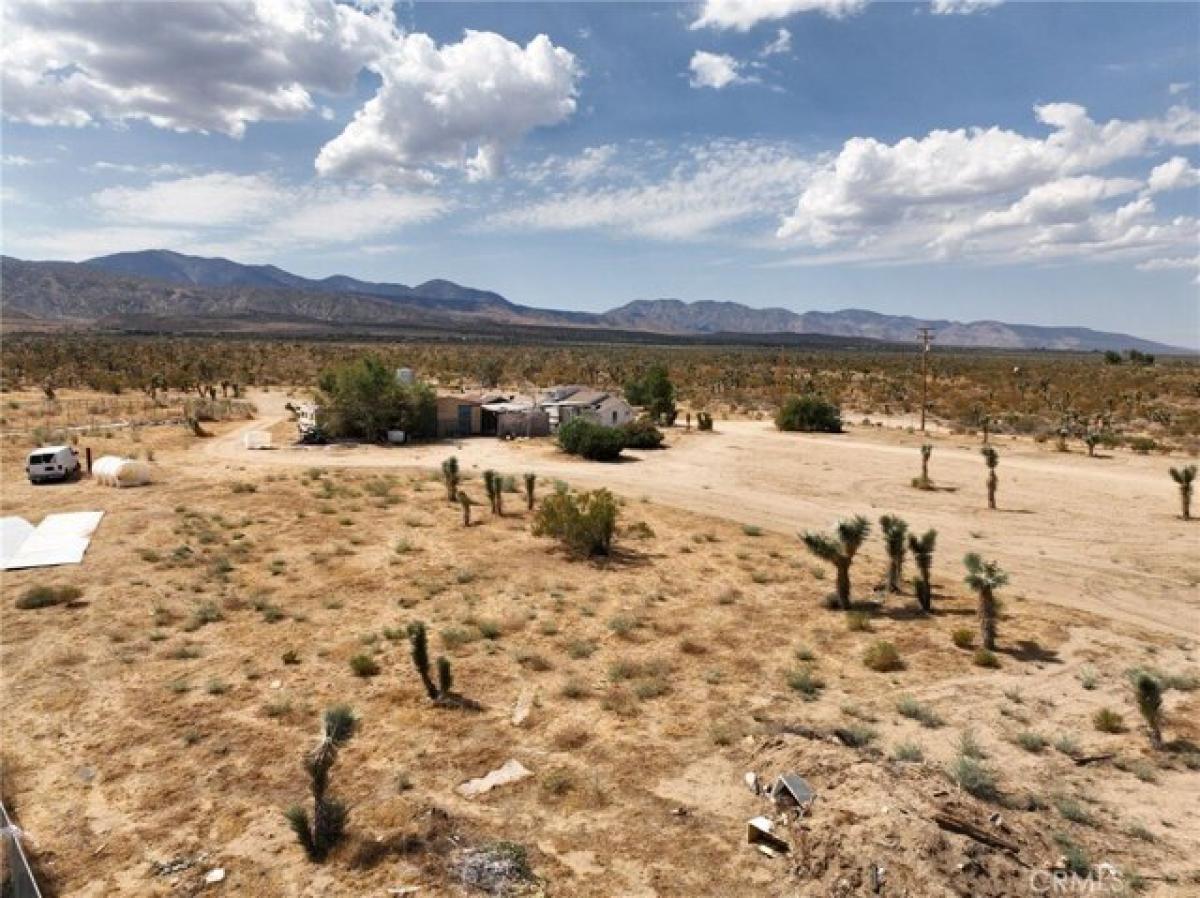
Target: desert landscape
{"x": 163, "y": 700}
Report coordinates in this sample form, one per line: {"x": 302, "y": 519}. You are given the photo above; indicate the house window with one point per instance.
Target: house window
{"x": 614, "y": 416}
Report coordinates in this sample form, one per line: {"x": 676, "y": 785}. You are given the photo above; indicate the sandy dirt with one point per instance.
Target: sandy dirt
{"x": 1096, "y": 534}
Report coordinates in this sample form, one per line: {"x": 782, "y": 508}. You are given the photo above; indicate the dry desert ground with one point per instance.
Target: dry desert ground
{"x": 154, "y": 726}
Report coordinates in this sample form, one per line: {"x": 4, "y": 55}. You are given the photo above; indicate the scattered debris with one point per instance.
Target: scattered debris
{"x": 524, "y": 705}
{"x": 759, "y": 832}
{"x": 752, "y": 782}
{"x": 966, "y": 828}
{"x": 512, "y": 771}
{"x": 494, "y": 868}
{"x": 1084, "y": 760}
{"x": 175, "y": 865}
{"x": 214, "y": 876}
{"x": 791, "y": 788}
{"x": 404, "y": 890}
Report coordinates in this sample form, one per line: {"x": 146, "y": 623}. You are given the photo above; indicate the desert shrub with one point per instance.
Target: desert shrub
{"x": 909, "y": 707}
{"x": 1032, "y": 742}
{"x": 909, "y": 752}
{"x": 858, "y": 622}
{"x": 584, "y": 523}
{"x": 45, "y": 596}
{"x": 805, "y": 681}
{"x": 1072, "y": 810}
{"x": 364, "y": 666}
{"x": 963, "y": 637}
{"x": 973, "y": 776}
{"x": 1149, "y": 701}
{"x": 985, "y": 658}
{"x": 882, "y": 656}
{"x": 1107, "y": 720}
{"x": 856, "y": 735}
{"x": 704, "y": 421}
{"x": 810, "y": 414}
{"x": 642, "y": 434}
{"x": 592, "y": 441}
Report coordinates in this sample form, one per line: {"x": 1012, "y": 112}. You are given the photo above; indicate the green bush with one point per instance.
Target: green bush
{"x": 642, "y": 434}
{"x": 584, "y": 522}
{"x": 809, "y": 413}
{"x": 595, "y": 442}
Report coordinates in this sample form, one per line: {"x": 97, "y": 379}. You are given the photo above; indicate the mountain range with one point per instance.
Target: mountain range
{"x": 160, "y": 289}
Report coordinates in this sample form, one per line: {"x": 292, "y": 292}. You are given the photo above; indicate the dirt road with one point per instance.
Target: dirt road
{"x": 1097, "y": 534}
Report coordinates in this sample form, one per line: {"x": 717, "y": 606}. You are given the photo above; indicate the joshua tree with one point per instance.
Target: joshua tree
{"x": 1091, "y": 439}
{"x": 922, "y": 550}
{"x": 992, "y": 458}
{"x": 839, "y": 550}
{"x": 450, "y": 478}
{"x": 1185, "y": 477}
{"x": 923, "y": 482}
{"x": 530, "y": 486}
{"x": 1149, "y": 702}
{"x": 493, "y": 485}
{"x": 894, "y": 531}
{"x": 324, "y": 830}
{"x": 419, "y": 643}
{"x": 985, "y": 577}
{"x": 465, "y": 501}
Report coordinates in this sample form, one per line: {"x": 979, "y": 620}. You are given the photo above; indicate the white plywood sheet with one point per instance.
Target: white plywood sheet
{"x": 58, "y": 539}
{"x": 13, "y": 532}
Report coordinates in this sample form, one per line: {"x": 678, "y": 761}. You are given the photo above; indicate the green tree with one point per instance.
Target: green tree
{"x": 361, "y": 399}
{"x": 894, "y": 532}
{"x": 839, "y": 550}
{"x": 654, "y": 392}
{"x": 984, "y": 578}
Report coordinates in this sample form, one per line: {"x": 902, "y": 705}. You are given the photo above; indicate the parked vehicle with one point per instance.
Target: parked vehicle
{"x": 52, "y": 463}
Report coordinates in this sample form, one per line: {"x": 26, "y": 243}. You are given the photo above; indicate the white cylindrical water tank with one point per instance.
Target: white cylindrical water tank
{"x": 112, "y": 470}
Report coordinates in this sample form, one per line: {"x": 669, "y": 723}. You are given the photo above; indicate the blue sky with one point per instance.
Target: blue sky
{"x": 1029, "y": 162}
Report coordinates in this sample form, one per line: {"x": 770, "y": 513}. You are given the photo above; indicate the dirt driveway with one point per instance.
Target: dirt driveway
{"x": 1100, "y": 534}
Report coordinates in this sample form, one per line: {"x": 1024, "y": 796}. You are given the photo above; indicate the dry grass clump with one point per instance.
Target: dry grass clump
{"x": 882, "y": 656}
{"x": 46, "y": 596}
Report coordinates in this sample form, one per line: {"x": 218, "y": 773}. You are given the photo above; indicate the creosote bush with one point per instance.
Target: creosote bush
{"x": 585, "y": 523}
{"x": 592, "y": 441}
{"x": 642, "y": 434}
{"x": 1107, "y": 720}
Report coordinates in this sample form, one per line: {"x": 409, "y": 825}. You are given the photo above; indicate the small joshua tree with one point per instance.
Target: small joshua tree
{"x": 894, "y": 531}
{"x": 1185, "y": 477}
{"x": 923, "y": 482}
{"x": 1149, "y": 702}
{"x": 922, "y": 551}
{"x": 839, "y": 550}
{"x": 530, "y": 487}
{"x": 1091, "y": 439}
{"x": 418, "y": 639}
{"x": 319, "y": 834}
{"x": 450, "y": 477}
{"x": 465, "y": 501}
{"x": 992, "y": 458}
{"x": 418, "y": 642}
{"x": 493, "y": 485}
{"x": 985, "y": 577}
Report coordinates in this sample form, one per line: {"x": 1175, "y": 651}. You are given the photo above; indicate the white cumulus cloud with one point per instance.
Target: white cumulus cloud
{"x": 1174, "y": 174}
{"x": 209, "y": 66}
{"x": 460, "y": 104}
{"x": 715, "y": 70}
{"x": 961, "y": 7}
{"x": 781, "y": 44}
{"x": 742, "y": 15}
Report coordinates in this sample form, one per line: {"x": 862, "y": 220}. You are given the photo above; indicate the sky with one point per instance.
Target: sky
{"x": 969, "y": 159}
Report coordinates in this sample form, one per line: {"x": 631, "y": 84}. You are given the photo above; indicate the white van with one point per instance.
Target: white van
{"x": 52, "y": 463}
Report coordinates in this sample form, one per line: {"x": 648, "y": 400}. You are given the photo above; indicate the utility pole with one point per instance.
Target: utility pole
{"x": 925, "y": 335}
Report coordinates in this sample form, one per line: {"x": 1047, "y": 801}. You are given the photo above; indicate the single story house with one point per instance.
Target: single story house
{"x": 518, "y": 417}
{"x": 467, "y": 414}
{"x": 562, "y": 404}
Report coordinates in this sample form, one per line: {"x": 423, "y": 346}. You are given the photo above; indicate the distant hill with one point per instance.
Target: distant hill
{"x": 140, "y": 288}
